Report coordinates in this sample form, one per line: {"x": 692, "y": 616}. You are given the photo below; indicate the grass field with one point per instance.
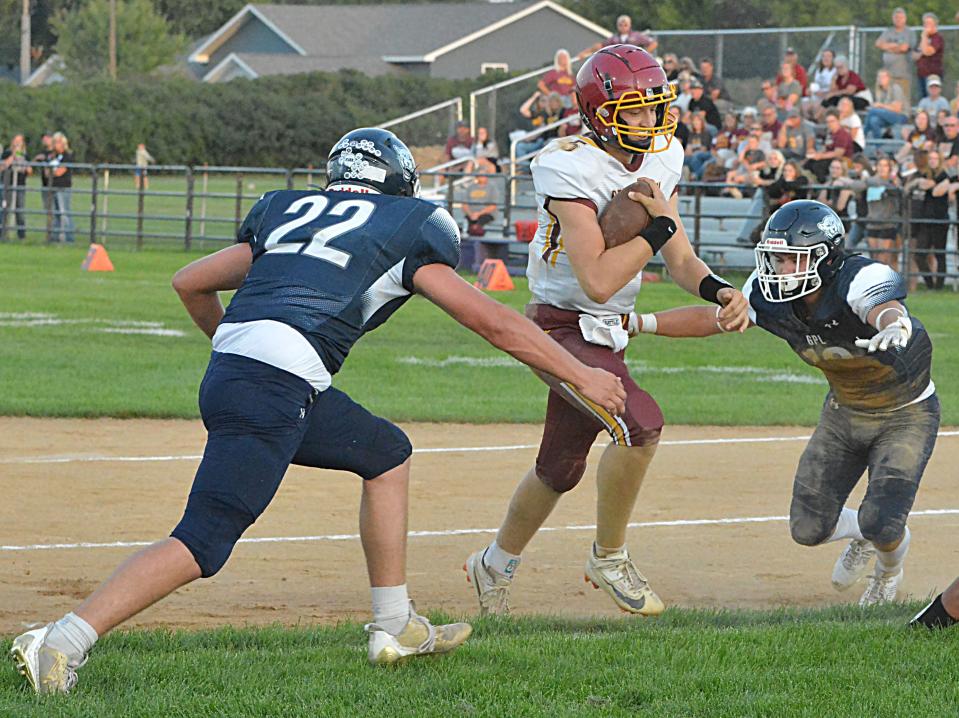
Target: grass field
{"x": 120, "y": 344}
{"x": 835, "y": 662}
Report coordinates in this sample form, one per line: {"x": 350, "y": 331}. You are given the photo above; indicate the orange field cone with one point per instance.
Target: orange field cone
{"x": 97, "y": 260}
{"x": 493, "y": 276}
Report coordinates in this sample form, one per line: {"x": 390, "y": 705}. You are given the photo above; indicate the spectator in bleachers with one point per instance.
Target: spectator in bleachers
{"x": 734, "y": 133}
{"x": 625, "y": 34}
{"x": 930, "y": 51}
{"x": 698, "y": 145}
{"x": 917, "y": 136}
{"x": 838, "y": 191}
{"x": 775, "y": 161}
{"x": 746, "y": 169}
{"x": 845, "y": 83}
{"x": 883, "y": 197}
{"x": 459, "y": 145}
{"x": 481, "y": 198}
{"x": 933, "y": 102}
{"x": 14, "y": 170}
{"x": 560, "y": 79}
{"x": 897, "y": 43}
{"x": 485, "y": 147}
{"x": 799, "y": 72}
{"x": 839, "y": 145}
{"x": 850, "y": 120}
{"x": 770, "y": 124}
{"x": 61, "y": 183}
{"x": 769, "y": 97}
{"x": 886, "y": 111}
{"x": 954, "y": 104}
{"x": 683, "y": 96}
{"x": 796, "y": 139}
{"x": 712, "y": 83}
{"x": 541, "y": 110}
{"x": 788, "y": 88}
{"x": 941, "y": 118}
{"x": 699, "y": 102}
{"x": 949, "y": 147}
{"x": 686, "y": 64}
{"x": 930, "y": 189}
{"x": 671, "y": 66}
{"x": 823, "y": 72}
{"x": 791, "y": 184}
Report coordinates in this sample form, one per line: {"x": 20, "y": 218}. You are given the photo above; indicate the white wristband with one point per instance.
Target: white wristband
{"x": 718, "y": 325}
{"x": 901, "y": 311}
{"x": 649, "y": 323}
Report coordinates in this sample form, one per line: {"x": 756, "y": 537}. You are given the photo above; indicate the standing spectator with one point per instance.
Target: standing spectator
{"x": 485, "y": 147}
{"x": 897, "y": 43}
{"x": 799, "y": 72}
{"x": 482, "y": 199}
{"x": 700, "y": 103}
{"x": 14, "y": 169}
{"x": 883, "y": 197}
{"x": 560, "y": 79}
{"x": 788, "y": 88}
{"x": 460, "y": 143}
{"x": 624, "y": 35}
{"x": 142, "y": 160}
{"x": 887, "y": 107}
{"x": 845, "y": 83}
{"x": 850, "y": 120}
{"x": 712, "y": 83}
{"x": 929, "y": 53}
{"x": 796, "y": 139}
{"x": 839, "y": 145}
{"x": 43, "y": 157}
{"x": 61, "y": 183}
{"x": 823, "y": 73}
{"x": 929, "y": 191}
{"x": 933, "y": 102}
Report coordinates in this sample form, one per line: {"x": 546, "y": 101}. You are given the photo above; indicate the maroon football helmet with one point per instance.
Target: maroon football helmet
{"x": 625, "y": 77}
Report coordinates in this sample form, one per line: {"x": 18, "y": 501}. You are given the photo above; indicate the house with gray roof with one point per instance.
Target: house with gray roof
{"x": 450, "y": 40}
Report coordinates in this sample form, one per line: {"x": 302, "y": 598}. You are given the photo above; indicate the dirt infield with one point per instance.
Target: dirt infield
{"x": 101, "y": 481}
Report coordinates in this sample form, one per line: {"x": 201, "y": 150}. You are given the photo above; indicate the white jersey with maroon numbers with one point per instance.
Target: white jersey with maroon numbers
{"x": 575, "y": 168}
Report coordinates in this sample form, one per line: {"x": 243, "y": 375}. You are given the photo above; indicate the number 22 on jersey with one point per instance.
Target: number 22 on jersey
{"x": 318, "y": 245}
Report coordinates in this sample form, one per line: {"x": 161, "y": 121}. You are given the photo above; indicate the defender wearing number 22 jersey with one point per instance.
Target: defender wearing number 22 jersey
{"x": 314, "y": 271}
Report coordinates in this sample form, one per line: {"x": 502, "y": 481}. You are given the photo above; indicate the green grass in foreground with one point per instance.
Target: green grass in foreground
{"x": 419, "y": 366}
{"x": 832, "y": 662}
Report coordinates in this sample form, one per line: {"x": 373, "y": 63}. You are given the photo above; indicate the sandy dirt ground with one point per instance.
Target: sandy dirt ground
{"x": 73, "y": 482}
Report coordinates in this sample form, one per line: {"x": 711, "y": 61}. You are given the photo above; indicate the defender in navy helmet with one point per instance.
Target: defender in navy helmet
{"x": 373, "y": 158}
{"x": 845, "y": 315}
{"x": 810, "y": 233}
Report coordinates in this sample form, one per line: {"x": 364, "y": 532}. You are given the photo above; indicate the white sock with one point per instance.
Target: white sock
{"x": 604, "y": 551}
{"x": 891, "y": 561}
{"x": 391, "y": 607}
{"x": 72, "y": 636}
{"x": 503, "y": 562}
{"x": 847, "y": 527}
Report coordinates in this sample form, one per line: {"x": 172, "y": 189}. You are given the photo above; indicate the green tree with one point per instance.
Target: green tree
{"x": 144, "y": 39}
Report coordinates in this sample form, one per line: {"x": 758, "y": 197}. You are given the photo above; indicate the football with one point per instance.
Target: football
{"x": 624, "y": 218}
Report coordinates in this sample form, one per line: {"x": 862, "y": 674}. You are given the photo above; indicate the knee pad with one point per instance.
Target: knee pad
{"x": 561, "y": 476}
{"x": 880, "y": 528}
{"x": 809, "y": 530}
{"x": 210, "y": 528}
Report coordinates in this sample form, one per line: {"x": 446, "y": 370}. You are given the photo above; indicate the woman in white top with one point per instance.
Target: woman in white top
{"x": 850, "y": 120}
{"x": 821, "y": 79}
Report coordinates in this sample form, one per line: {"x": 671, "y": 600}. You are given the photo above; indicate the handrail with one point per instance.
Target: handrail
{"x": 456, "y": 101}
{"x": 528, "y": 136}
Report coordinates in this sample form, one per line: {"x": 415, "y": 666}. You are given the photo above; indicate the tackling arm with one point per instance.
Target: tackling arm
{"x": 693, "y": 321}
{"x": 198, "y": 283}
{"x": 514, "y": 334}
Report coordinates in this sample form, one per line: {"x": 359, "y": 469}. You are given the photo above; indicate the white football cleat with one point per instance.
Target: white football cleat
{"x": 46, "y": 669}
{"x": 492, "y": 589}
{"x": 618, "y": 576}
{"x": 852, "y": 564}
{"x": 418, "y": 638}
{"x": 882, "y": 587}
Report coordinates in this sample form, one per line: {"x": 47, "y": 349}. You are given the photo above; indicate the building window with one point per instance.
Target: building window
{"x": 493, "y": 67}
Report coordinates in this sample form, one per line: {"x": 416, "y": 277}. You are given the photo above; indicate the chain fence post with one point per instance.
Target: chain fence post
{"x": 188, "y": 215}
{"x": 94, "y": 194}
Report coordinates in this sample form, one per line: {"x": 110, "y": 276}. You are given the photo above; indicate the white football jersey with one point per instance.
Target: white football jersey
{"x": 577, "y": 168}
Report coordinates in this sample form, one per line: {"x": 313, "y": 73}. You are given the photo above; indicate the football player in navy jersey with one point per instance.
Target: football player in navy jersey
{"x": 845, "y": 315}
{"x": 315, "y": 270}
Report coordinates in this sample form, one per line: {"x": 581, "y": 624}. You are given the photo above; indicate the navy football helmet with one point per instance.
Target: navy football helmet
{"x": 807, "y": 232}
{"x": 376, "y": 159}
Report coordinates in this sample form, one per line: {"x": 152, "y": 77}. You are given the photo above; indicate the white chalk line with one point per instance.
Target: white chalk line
{"x": 453, "y": 532}
{"x": 433, "y": 450}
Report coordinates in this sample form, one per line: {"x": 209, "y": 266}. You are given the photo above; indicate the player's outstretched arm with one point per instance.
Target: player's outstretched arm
{"x": 694, "y": 321}
{"x": 198, "y": 283}
{"x": 515, "y": 334}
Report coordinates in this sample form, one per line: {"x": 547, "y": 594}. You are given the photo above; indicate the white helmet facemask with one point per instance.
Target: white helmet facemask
{"x": 786, "y": 286}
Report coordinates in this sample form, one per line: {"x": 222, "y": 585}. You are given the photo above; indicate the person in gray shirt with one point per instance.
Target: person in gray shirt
{"x": 896, "y": 44}
{"x": 888, "y": 107}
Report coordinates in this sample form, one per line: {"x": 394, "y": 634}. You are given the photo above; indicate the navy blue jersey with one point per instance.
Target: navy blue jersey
{"x": 334, "y": 265}
{"x": 825, "y": 336}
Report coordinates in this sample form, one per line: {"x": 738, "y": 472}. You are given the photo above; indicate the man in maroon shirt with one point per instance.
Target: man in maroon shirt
{"x": 930, "y": 52}
{"x": 845, "y": 82}
{"x": 839, "y": 145}
{"x": 459, "y": 145}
